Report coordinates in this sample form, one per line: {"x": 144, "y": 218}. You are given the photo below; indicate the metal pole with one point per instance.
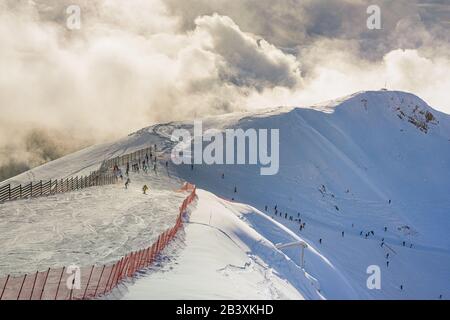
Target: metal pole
{"x": 43, "y": 286}
{"x": 4, "y": 288}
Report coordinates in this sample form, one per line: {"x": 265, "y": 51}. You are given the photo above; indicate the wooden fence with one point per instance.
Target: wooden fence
{"x": 51, "y": 187}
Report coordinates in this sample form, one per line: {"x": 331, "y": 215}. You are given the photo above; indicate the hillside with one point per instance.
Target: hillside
{"x": 366, "y": 162}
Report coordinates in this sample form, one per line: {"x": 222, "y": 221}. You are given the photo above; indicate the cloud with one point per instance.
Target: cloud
{"x": 145, "y": 61}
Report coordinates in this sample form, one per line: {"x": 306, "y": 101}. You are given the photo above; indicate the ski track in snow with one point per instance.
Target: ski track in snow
{"x": 94, "y": 225}
{"x": 362, "y": 149}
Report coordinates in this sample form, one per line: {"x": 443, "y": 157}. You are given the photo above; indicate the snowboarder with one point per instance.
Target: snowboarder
{"x": 144, "y": 189}
{"x": 127, "y": 183}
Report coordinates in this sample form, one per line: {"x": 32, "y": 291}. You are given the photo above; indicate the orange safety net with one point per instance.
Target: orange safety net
{"x": 94, "y": 281}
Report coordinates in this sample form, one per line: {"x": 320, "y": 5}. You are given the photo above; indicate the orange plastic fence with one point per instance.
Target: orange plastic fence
{"x": 95, "y": 281}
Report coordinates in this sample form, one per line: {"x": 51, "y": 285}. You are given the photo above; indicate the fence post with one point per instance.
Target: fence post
{"x": 89, "y": 280}
{"x": 20, "y": 191}
{"x": 20, "y": 291}
{"x": 59, "y": 283}
{"x": 100, "y": 279}
{"x": 45, "y": 282}
{"x": 4, "y": 288}
{"x": 109, "y": 278}
{"x": 9, "y": 191}
{"x": 34, "y": 283}
{"x": 40, "y": 185}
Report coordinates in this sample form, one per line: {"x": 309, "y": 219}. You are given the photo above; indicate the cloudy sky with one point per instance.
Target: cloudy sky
{"x": 136, "y": 62}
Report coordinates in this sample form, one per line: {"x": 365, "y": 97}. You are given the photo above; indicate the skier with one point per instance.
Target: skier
{"x": 235, "y": 189}
{"x": 144, "y": 189}
{"x": 389, "y": 201}
{"x": 265, "y": 208}
{"x": 223, "y": 175}
{"x": 387, "y": 264}
{"x": 360, "y": 233}
{"x": 404, "y": 243}
{"x": 127, "y": 183}
{"x": 387, "y": 255}
{"x": 385, "y": 229}
{"x": 320, "y": 240}
{"x": 342, "y": 234}
{"x": 401, "y": 287}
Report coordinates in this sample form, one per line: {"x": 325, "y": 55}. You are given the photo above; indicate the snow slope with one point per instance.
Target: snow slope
{"x": 221, "y": 257}
{"x": 340, "y": 164}
{"x": 95, "y": 225}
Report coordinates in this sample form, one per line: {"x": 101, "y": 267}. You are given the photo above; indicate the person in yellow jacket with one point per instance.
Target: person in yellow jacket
{"x": 144, "y": 189}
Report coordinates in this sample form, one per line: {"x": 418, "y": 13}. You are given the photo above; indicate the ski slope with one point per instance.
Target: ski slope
{"x": 95, "y": 225}
{"x": 372, "y": 162}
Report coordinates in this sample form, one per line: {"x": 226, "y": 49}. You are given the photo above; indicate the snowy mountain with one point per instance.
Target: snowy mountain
{"x": 368, "y": 174}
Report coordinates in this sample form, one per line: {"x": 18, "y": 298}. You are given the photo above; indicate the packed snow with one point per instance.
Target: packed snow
{"x": 95, "y": 225}
{"x": 368, "y": 174}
